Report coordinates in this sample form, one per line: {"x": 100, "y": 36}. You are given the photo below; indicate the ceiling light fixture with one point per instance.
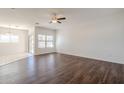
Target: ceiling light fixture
{"x": 56, "y": 19}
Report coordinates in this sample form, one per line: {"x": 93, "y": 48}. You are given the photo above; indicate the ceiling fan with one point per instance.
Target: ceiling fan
{"x": 56, "y": 19}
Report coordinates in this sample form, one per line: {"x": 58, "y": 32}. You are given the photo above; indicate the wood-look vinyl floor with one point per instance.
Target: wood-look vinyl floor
{"x": 58, "y": 68}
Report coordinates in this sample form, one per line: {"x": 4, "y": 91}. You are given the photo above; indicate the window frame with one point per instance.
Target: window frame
{"x": 45, "y": 41}
{"x": 50, "y": 41}
{"x": 40, "y": 40}
{"x": 8, "y": 38}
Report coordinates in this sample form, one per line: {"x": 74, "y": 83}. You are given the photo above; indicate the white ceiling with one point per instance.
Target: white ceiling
{"x": 27, "y": 17}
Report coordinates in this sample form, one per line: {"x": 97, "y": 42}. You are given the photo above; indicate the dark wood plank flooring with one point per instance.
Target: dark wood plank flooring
{"x": 61, "y": 69}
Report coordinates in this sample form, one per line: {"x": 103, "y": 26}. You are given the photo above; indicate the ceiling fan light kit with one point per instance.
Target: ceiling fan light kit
{"x": 54, "y": 21}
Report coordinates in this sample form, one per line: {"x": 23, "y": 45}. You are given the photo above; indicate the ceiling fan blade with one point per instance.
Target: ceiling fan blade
{"x": 59, "y": 22}
{"x": 63, "y": 18}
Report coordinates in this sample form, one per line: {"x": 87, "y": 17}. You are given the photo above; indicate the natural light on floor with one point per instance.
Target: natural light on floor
{"x": 12, "y": 58}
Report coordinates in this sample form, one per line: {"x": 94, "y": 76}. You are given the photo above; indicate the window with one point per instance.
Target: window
{"x": 4, "y": 38}
{"x": 49, "y": 38}
{"x": 41, "y": 44}
{"x": 41, "y": 41}
{"x": 8, "y": 38}
{"x": 41, "y": 37}
{"x": 45, "y": 41}
{"x": 14, "y": 38}
{"x": 50, "y": 42}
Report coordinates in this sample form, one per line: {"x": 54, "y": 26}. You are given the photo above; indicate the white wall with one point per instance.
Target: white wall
{"x": 14, "y": 48}
{"x": 101, "y": 39}
{"x": 44, "y": 31}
